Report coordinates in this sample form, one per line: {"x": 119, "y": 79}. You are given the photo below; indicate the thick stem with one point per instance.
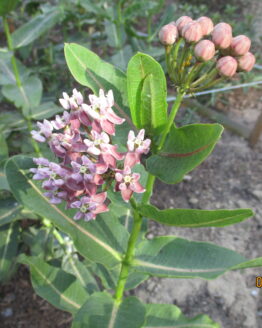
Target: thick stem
{"x": 18, "y": 79}
{"x": 171, "y": 118}
{"x": 127, "y": 261}
{"x": 10, "y": 47}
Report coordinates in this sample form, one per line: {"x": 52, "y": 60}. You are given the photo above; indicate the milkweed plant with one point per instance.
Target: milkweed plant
{"x": 95, "y": 186}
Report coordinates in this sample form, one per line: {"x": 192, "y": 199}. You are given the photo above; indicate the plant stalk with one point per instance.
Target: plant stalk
{"x": 18, "y": 79}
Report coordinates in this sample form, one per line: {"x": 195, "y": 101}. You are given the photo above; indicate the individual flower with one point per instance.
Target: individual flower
{"x": 168, "y": 34}
{"x": 136, "y": 147}
{"x": 240, "y": 45}
{"x": 89, "y": 207}
{"x": 82, "y": 176}
{"x": 246, "y": 62}
{"x": 192, "y": 32}
{"x": 127, "y": 183}
{"x": 222, "y": 35}
{"x": 206, "y": 24}
{"x": 100, "y": 146}
{"x": 182, "y": 21}
{"x": 227, "y": 66}
{"x": 204, "y": 50}
{"x": 61, "y": 121}
{"x": 45, "y": 131}
{"x": 102, "y": 113}
{"x": 55, "y": 196}
{"x": 71, "y": 102}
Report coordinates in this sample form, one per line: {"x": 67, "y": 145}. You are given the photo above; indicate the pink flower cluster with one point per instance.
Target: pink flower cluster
{"x": 81, "y": 139}
{"x": 232, "y": 52}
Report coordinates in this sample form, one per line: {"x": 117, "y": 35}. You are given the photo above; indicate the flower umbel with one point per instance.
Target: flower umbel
{"x": 88, "y": 160}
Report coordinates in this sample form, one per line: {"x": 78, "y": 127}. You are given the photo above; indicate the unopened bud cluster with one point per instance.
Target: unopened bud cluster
{"x": 88, "y": 160}
{"x": 205, "y": 42}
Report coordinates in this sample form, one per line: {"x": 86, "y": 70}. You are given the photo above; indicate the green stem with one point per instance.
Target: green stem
{"x": 207, "y": 76}
{"x": 171, "y": 118}
{"x": 127, "y": 261}
{"x": 18, "y": 79}
{"x": 10, "y": 47}
{"x": 149, "y": 188}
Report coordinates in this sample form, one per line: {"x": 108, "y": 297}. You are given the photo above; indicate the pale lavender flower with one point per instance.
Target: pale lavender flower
{"x": 56, "y": 197}
{"x": 45, "y": 131}
{"x": 61, "y": 121}
{"x": 89, "y": 207}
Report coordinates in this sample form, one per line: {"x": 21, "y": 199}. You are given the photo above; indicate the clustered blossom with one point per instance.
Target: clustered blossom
{"x": 209, "y": 42}
{"x": 88, "y": 161}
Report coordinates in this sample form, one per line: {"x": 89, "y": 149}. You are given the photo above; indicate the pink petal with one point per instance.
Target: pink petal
{"x": 96, "y": 126}
{"x": 137, "y": 187}
{"x": 108, "y": 127}
{"x": 122, "y": 186}
{"x": 100, "y": 209}
{"x": 112, "y": 117}
{"x": 131, "y": 159}
{"x": 99, "y": 198}
{"x": 141, "y": 134}
{"x": 109, "y": 160}
{"x": 119, "y": 176}
{"x": 101, "y": 168}
{"x": 126, "y": 194}
{"x": 112, "y": 150}
{"x": 91, "y": 112}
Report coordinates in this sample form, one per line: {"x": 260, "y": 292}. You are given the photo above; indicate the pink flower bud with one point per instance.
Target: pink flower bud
{"x": 204, "y": 50}
{"x": 182, "y": 21}
{"x": 222, "y": 35}
{"x": 168, "y": 34}
{"x": 207, "y": 25}
{"x": 192, "y": 32}
{"x": 240, "y": 45}
{"x": 227, "y": 66}
{"x": 246, "y": 62}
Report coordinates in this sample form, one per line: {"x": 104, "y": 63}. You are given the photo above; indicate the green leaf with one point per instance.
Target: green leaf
{"x": 90, "y": 70}
{"x": 27, "y": 96}
{"x": 37, "y": 26}
{"x": 7, "y": 75}
{"x": 175, "y": 257}
{"x": 115, "y": 38}
{"x": 8, "y": 249}
{"x": 3, "y": 148}
{"x": 3, "y": 180}
{"x": 190, "y": 218}
{"x": 121, "y": 57}
{"x": 101, "y": 311}
{"x": 102, "y": 240}
{"x": 9, "y": 121}
{"x": 146, "y": 86}
{"x": 6, "y": 6}
{"x": 170, "y": 316}
{"x": 9, "y": 210}
{"x": 45, "y": 110}
{"x": 58, "y": 287}
{"x": 184, "y": 149}
{"x": 71, "y": 264}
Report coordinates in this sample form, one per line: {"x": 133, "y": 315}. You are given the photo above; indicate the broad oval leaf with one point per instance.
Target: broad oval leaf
{"x": 146, "y": 85}
{"x": 174, "y": 257}
{"x": 3, "y": 148}
{"x": 90, "y": 70}
{"x": 73, "y": 265}
{"x": 9, "y": 210}
{"x": 9, "y": 235}
{"x": 27, "y": 96}
{"x": 191, "y": 218}
{"x": 37, "y": 26}
{"x": 102, "y": 240}
{"x": 7, "y": 75}
{"x": 167, "y": 316}
{"x": 45, "y": 110}
{"x": 3, "y": 180}
{"x": 101, "y": 311}
{"x": 184, "y": 149}
{"x": 58, "y": 287}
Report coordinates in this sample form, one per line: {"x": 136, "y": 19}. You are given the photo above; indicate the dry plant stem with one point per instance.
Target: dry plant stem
{"x": 128, "y": 258}
{"x": 18, "y": 79}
